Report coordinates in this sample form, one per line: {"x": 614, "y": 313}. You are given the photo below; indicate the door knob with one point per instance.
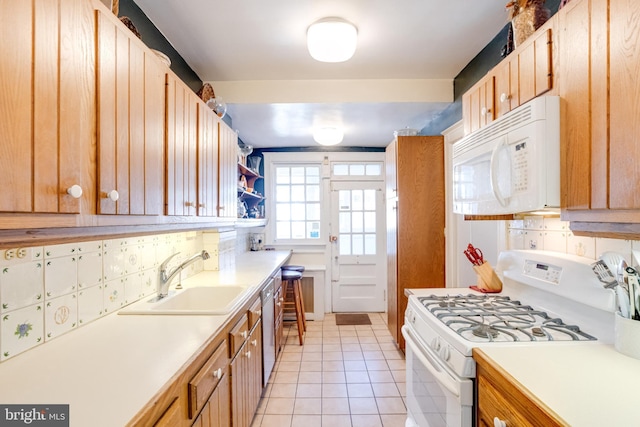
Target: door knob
{"x": 333, "y": 239}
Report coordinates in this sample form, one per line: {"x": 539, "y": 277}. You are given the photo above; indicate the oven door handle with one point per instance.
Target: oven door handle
{"x": 431, "y": 364}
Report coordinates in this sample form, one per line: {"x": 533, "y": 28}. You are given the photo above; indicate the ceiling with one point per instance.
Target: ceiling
{"x": 254, "y": 54}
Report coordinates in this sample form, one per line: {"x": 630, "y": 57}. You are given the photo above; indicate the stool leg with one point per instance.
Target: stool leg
{"x": 299, "y": 308}
{"x": 304, "y": 316}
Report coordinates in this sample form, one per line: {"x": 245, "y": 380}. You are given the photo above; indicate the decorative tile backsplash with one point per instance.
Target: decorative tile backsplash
{"x": 51, "y": 290}
{"x": 552, "y": 234}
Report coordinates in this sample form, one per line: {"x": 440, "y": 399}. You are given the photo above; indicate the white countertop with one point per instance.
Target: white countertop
{"x": 586, "y": 384}
{"x": 109, "y": 369}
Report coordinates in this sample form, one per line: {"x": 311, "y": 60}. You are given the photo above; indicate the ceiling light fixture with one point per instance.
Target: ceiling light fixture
{"x": 332, "y": 40}
{"x": 328, "y": 136}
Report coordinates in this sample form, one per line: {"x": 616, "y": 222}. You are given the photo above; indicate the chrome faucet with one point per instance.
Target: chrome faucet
{"x": 164, "y": 278}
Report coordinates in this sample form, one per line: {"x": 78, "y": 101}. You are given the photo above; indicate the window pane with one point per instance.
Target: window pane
{"x": 341, "y": 170}
{"x": 356, "y": 198}
{"x": 282, "y": 230}
{"x": 357, "y": 222}
{"x": 345, "y": 222}
{"x": 344, "y": 197}
{"x": 297, "y": 230}
{"x": 297, "y": 193}
{"x": 283, "y": 212}
{"x": 358, "y": 244}
{"x": 297, "y": 175}
{"x": 298, "y": 211}
{"x": 282, "y": 193}
{"x": 374, "y": 169}
{"x": 313, "y": 193}
{"x": 370, "y": 244}
{"x": 313, "y": 179}
{"x": 369, "y": 200}
{"x": 313, "y": 212}
{"x": 313, "y": 230}
{"x": 282, "y": 175}
{"x": 345, "y": 244}
{"x": 356, "y": 170}
{"x": 370, "y": 222}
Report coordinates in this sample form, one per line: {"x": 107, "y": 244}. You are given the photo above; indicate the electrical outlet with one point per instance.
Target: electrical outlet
{"x": 9, "y": 254}
{"x": 22, "y": 252}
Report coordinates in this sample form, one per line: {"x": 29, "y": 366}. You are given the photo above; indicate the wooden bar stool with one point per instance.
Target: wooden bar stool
{"x": 293, "y": 298}
{"x": 299, "y": 268}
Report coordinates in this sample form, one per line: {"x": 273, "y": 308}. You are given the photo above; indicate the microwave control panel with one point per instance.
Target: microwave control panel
{"x": 541, "y": 271}
{"x": 520, "y": 167}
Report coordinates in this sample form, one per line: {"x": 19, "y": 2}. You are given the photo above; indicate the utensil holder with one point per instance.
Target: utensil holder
{"x": 488, "y": 280}
{"x": 627, "y": 336}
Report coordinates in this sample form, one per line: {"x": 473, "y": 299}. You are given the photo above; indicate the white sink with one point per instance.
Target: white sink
{"x": 197, "y": 300}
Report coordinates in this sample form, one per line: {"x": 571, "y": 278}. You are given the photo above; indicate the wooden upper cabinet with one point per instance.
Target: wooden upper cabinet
{"x": 507, "y": 94}
{"x": 46, "y": 105}
{"x": 182, "y": 105}
{"x": 130, "y": 83}
{"x": 208, "y": 123}
{"x": 535, "y": 76}
{"x": 227, "y": 172}
{"x": 478, "y": 105}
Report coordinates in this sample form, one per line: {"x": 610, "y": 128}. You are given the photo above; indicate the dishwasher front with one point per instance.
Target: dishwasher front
{"x": 268, "y": 333}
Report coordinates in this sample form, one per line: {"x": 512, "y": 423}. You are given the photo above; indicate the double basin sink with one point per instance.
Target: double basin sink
{"x": 199, "y": 300}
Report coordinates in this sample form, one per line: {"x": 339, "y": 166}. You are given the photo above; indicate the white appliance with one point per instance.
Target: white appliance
{"x": 511, "y": 165}
{"x": 547, "y": 299}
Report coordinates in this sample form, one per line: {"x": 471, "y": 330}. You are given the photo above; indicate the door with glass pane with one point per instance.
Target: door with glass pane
{"x": 358, "y": 251}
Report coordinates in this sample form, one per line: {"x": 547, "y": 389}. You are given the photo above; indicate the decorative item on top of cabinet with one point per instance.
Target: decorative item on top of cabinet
{"x": 415, "y": 221}
{"x": 526, "y": 17}
{"x": 48, "y": 82}
{"x": 599, "y": 151}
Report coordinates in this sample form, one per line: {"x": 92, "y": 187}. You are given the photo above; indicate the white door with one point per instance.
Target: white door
{"x": 358, "y": 247}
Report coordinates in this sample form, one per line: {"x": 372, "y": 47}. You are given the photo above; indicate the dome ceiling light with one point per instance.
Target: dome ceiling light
{"x": 332, "y": 40}
{"x": 328, "y": 136}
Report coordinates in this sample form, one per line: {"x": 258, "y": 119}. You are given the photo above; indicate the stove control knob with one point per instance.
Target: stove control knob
{"x": 435, "y": 344}
{"x": 445, "y": 354}
{"x": 497, "y": 422}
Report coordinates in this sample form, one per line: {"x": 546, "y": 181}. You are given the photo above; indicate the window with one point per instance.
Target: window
{"x": 357, "y": 222}
{"x": 297, "y": 202}
{"x": 369, "y": 170}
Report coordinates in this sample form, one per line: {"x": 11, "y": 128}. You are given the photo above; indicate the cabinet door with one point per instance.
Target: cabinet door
{"x": 239, "y": 387}
{"x": 216, "y": 413}
{"x": 478, "y": 104}
{"x": 255, "y": 376}
{"x": 535, "y": 66}
{"x": 392, "y": 201}
{"x": 624, "y": 150}
{"x": 208, "y": 123}
{"x": 180, "y": 147}
{"x": 507, "y": 96}
{"x": 46, "y": 102}
{"x": 130, "y": 123}
{"x": 227, "y": 172}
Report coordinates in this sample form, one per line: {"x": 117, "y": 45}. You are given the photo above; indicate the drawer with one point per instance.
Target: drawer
{"x": 171, "y": 417}
{"x": 255, "y": 313}
{"x": 205, "y": 381}
{"x": 238, "y": 335}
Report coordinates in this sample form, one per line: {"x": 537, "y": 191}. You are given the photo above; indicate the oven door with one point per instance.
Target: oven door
{"x": 436, "y": 397}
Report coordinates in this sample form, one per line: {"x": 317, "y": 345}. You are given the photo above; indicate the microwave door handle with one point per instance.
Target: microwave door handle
{"x": 493, "y": 174}
{"x": 428, "y": 362}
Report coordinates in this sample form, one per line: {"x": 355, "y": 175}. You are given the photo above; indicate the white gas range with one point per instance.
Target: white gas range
{"x": 547, "y": 299}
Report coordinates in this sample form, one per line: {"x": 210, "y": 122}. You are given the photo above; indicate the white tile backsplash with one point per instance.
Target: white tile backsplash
{"x": 51, "y": 290}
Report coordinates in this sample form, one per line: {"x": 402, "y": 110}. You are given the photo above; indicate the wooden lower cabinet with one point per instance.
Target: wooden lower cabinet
{"x": 217, "y": 411}
{"x": 246, "y": 379}
{"x": 501, "y": 401}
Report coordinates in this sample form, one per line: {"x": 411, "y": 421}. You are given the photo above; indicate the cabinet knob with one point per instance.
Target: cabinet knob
{"x": 485, "y": 111}
{"x": 254, "y": 343}
{"x": 201, "y": 205}
{"x": 244, "y": 334}
{"x": 497, "y": 422}
{"x": 504, "y": 97}
{"x": 189, "y": 204}
{"x": 75, "y": 191}
{"x": 248, "y": 353}
{"x": 217, "y": 373}
{"x": 112, "y": 195}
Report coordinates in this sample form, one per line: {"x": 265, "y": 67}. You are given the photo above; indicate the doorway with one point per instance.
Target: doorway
{"x": 358, "y": 247}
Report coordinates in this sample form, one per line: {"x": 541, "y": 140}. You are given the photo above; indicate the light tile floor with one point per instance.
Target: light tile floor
{"x": 343, "y": 376}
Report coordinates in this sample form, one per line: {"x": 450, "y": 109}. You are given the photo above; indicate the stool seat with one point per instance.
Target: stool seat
{"x": 291, "y": 275}
{"x": 289, "y": 267}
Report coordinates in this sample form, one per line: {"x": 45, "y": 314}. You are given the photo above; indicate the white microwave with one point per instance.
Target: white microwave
{"x": 511, "y": 165}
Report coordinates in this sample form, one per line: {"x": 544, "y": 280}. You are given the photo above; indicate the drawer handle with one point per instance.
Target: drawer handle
{"x": 244, "y": 334}
{"x": 497, "y": 422}
{"x": 248, "y": 354}
{"x": 218, "y": 373}
{"x": 254, "y": 343}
